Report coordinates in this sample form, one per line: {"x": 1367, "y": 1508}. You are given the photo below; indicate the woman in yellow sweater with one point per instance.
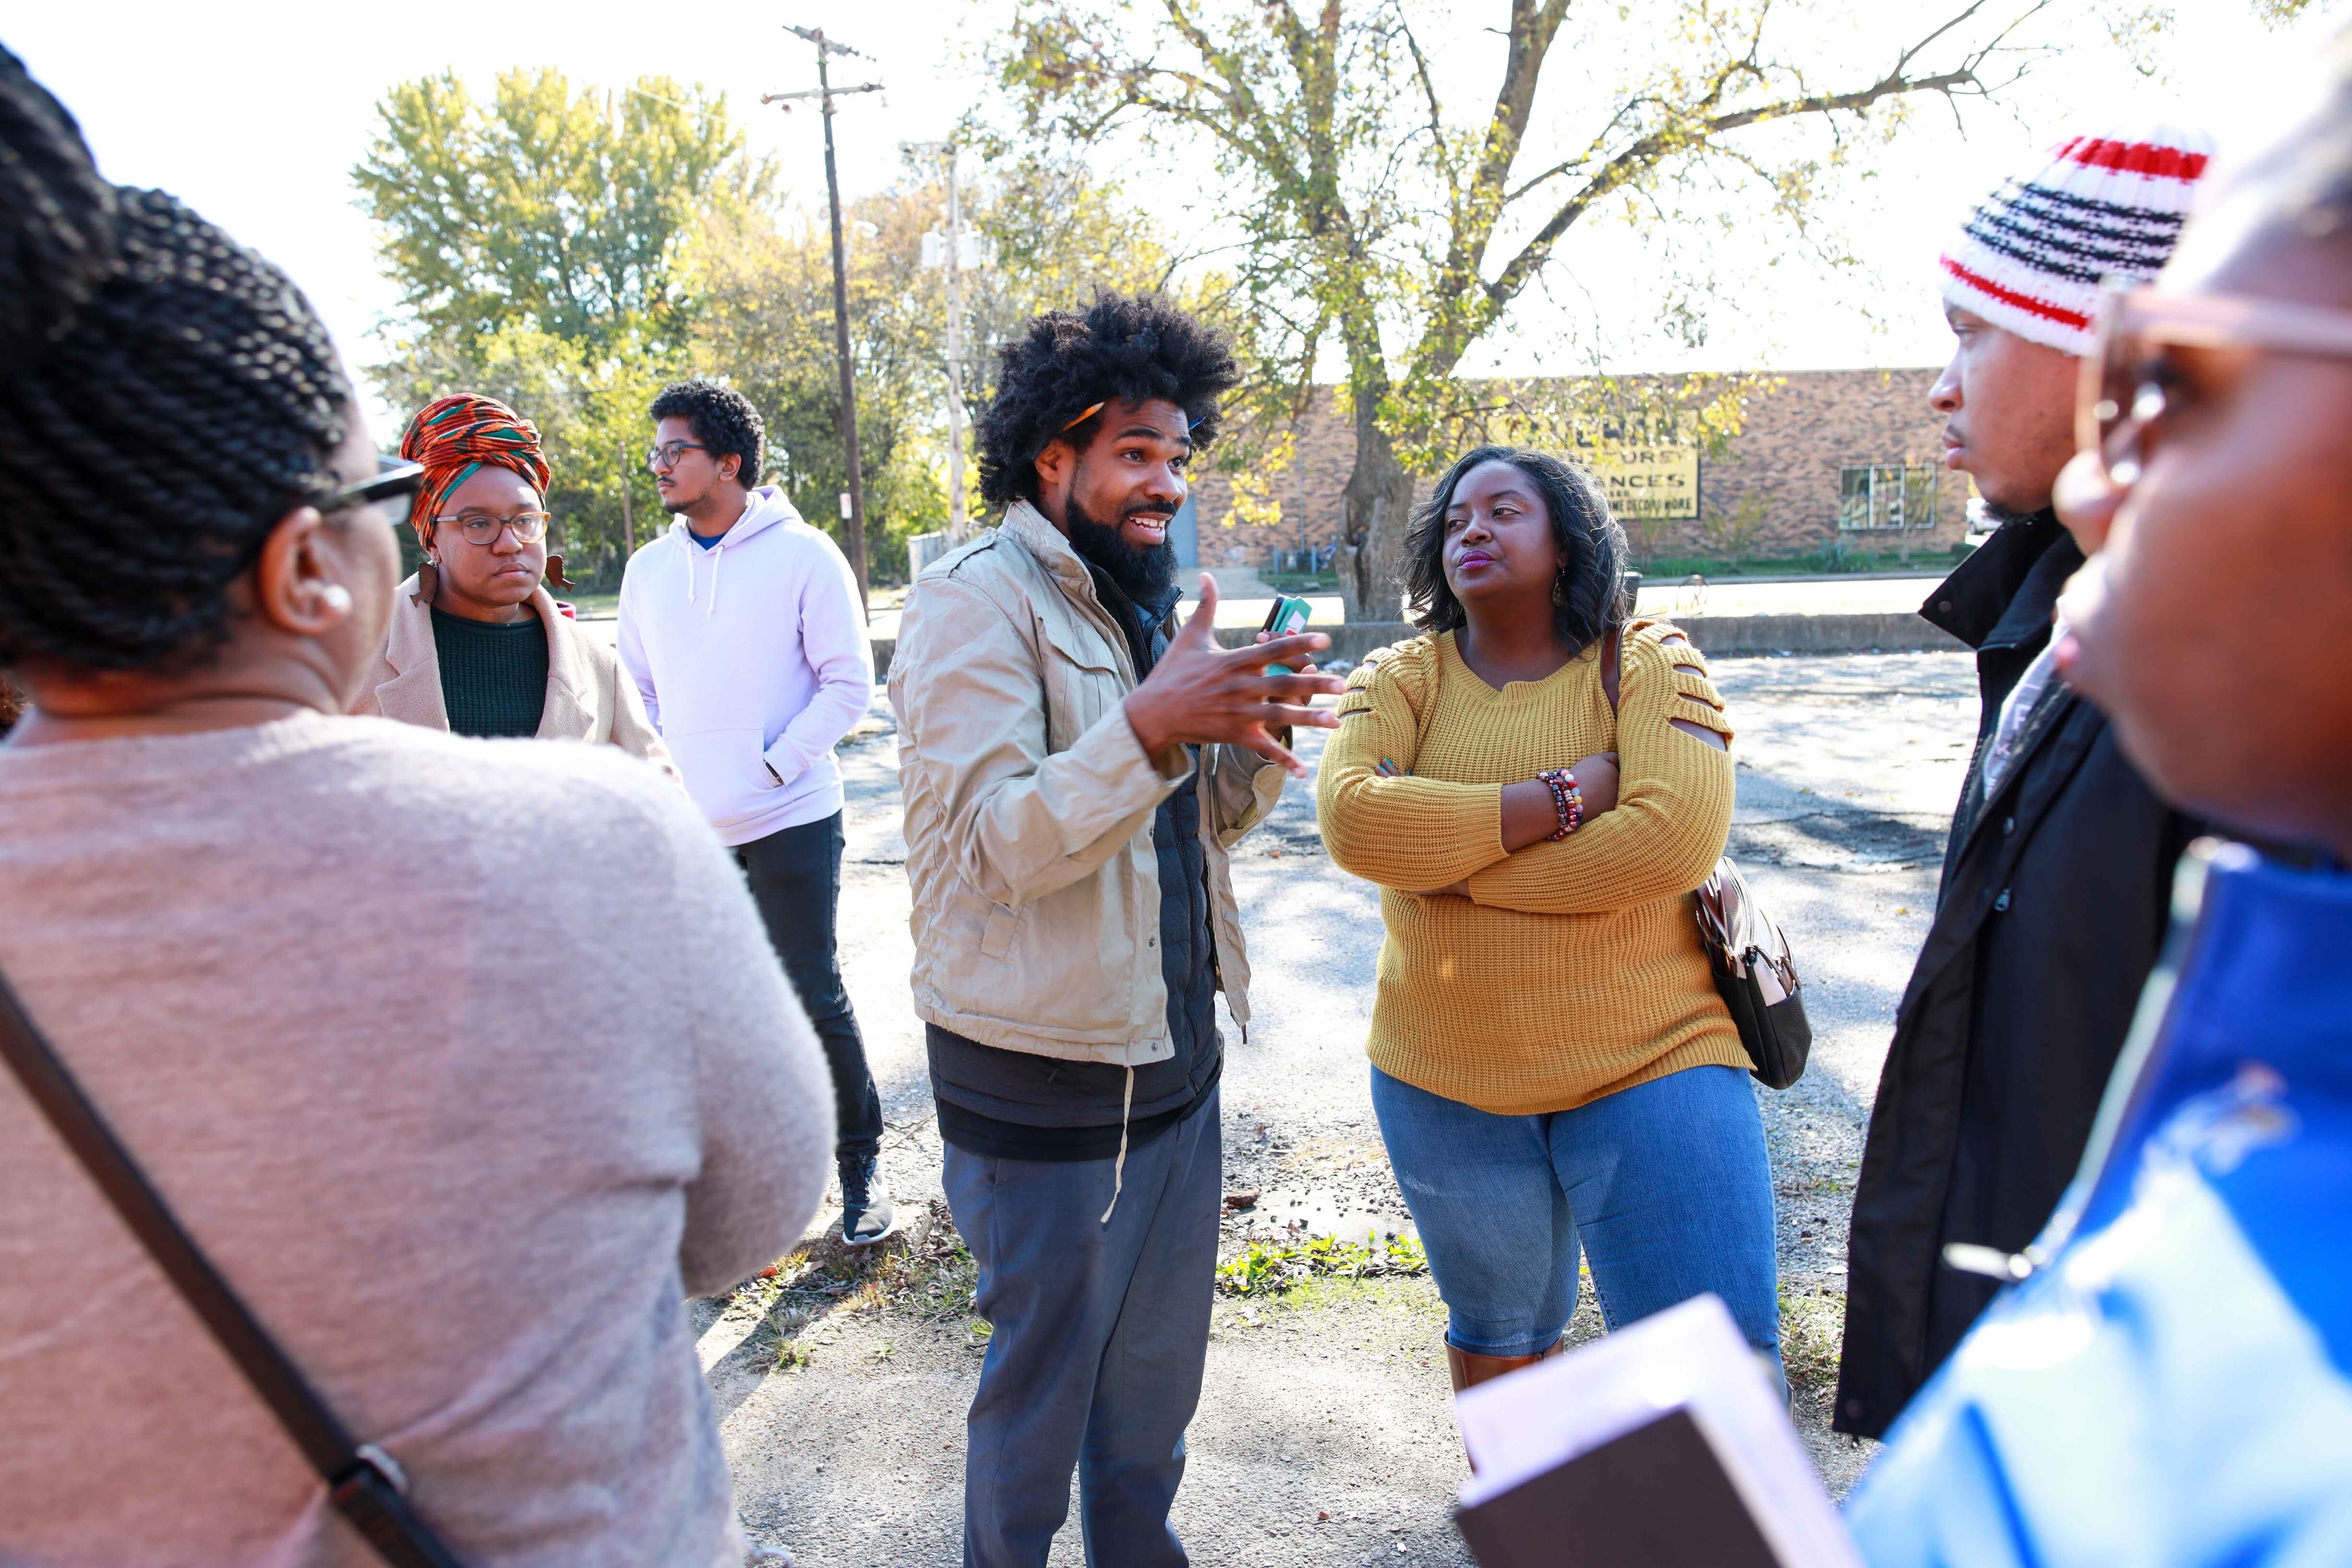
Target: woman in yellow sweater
{"x": 1552, "y": 1066}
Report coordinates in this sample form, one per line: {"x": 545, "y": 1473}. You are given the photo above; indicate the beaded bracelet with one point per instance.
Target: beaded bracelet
{"x": 1567, "y": 800}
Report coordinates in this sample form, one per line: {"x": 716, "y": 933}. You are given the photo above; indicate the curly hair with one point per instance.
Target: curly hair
{"x": 1136, "y": 349}
{"x": 166, "y": 396}
{"x": 1592, "y": 549}
{"x": 721, "y": 419}
{"x": 11, "y": 706}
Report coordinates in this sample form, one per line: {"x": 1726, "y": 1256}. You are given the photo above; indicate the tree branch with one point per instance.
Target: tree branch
{"x": 1688, "y": 136}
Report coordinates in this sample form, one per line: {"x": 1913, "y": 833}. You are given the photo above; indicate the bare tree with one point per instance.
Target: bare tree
{"x": 1377, "y": 223}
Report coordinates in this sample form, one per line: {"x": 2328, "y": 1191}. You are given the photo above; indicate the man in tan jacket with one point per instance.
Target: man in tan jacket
{"x": 1075, "y": 768}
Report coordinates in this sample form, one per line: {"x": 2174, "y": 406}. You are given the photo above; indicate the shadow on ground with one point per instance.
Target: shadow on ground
{"x": 1324, "y": 1435}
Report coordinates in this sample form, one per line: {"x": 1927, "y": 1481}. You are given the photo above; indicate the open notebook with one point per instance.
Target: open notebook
{"x": 1661, "y": 1445}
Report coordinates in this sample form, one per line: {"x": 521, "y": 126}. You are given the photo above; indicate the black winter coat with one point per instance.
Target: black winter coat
{"x": 2054, "y": 899}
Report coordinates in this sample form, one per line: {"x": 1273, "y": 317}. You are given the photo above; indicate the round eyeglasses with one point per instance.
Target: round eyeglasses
{"x": 481, "y": 527}
{"x": 667, "y": 456}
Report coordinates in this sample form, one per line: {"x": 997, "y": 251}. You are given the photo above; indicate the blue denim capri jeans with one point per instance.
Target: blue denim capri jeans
{"x": 1663, "y": 1185}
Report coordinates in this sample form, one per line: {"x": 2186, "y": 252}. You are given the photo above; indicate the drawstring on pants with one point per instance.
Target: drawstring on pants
{"x": 1118, "y": 1166}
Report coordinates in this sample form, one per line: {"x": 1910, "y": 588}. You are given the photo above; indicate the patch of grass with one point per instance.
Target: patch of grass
{"x": 1268, "y": 1268}
{"x": 925, "y": 1270}
{"x": 1812, "y": 1326}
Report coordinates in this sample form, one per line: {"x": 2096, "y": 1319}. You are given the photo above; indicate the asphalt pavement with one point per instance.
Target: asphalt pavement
{"x": 1323, "y": 1437}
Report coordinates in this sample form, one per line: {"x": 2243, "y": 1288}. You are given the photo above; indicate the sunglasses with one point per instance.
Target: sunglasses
{"x": 2127, "y": 381}
{"x": 391, "y": 483}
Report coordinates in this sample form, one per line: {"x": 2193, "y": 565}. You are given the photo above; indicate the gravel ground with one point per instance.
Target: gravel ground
{"x": 1324, "y": 1435}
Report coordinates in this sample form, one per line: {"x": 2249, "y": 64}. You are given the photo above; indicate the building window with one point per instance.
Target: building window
{"x": 1886, "y": 498}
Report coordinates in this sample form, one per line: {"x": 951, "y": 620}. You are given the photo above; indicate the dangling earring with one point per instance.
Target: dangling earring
{"x": 1559, "y": 589}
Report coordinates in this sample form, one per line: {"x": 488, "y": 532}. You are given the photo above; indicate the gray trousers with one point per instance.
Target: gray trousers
{"x": 1100, "y": 1333}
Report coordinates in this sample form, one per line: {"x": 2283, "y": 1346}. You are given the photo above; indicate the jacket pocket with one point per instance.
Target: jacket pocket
{"x": 1081, "y": 677}
{"x": 996, "y": 937}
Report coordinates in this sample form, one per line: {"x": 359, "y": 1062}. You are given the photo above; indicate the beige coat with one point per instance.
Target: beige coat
{"x": 1029, "y": 809}
{"x": 588, "y": 697}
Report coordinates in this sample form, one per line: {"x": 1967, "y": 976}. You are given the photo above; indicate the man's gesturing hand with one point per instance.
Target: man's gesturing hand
{"x": 1203, "y": 695}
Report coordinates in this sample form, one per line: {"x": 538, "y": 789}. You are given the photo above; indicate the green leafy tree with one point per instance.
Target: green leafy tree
{"x": 590, "y": 407}
{"x": 540, "y": 243}
{"x": 1381, "y": 224}
{"x": 562, "y": 211}
{"x": 764, "y": 303}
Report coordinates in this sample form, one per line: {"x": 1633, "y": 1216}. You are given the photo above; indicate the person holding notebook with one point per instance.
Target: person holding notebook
{"x": 2171, "y": 1382}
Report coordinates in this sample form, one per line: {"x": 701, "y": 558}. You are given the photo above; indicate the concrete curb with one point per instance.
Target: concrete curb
{"x": 1725, "y": 637}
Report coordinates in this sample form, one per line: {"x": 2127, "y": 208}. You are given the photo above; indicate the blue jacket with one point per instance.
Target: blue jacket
{"x": 2172, "y": 1385}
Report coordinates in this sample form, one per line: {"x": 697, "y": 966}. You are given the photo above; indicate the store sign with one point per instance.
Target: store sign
{"x": 1650, "y": 482}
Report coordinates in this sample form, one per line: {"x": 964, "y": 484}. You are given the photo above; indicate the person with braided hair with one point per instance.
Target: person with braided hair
{"x": 341, "y": 986}
{"x": 478, "y": 646}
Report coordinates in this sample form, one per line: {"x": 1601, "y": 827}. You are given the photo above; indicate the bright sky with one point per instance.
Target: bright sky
{"x": 255, "y": 112}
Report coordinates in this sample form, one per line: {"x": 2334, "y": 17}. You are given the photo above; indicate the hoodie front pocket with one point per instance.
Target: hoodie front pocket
{"x": 725, "y": 773}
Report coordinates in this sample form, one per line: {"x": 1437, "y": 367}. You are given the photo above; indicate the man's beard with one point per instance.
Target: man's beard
{"x": 2002, "y": 517}
{"x": 1142, "y": 574}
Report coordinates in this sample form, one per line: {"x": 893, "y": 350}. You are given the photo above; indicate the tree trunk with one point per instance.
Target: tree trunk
{"x": 1374, "y": 510}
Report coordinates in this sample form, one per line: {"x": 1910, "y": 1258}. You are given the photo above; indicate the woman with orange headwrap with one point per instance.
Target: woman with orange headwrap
{"x": 477, "y": 645}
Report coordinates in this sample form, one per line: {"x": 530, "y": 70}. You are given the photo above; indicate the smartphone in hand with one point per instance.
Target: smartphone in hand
{"x": 1288, "y": 616}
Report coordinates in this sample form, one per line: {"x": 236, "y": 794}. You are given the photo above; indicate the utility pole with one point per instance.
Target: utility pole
{"x": 628, "y": 518}
{"x": 950, "y": 258}
{"x": 824, "y": 93}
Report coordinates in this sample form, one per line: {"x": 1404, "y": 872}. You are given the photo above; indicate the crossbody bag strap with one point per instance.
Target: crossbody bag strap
{"x": 362, "y": 1481}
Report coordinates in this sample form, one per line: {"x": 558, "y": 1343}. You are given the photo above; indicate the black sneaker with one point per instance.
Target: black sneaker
{"x": 867, "y": 1215}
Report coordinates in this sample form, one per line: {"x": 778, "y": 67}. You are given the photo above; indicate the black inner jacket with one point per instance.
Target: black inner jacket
{"x": 1010, "y": 1105}
{"x": 2053, "y": 907}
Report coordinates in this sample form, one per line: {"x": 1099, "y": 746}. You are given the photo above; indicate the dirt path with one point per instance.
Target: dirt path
{"x": 1331, "y": 1400}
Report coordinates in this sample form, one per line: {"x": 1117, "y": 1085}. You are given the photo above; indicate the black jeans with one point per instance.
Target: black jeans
{"x": 795, "y": 877}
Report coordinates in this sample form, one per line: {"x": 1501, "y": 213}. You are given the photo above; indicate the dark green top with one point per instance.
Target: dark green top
{"x": 493, "y": 678}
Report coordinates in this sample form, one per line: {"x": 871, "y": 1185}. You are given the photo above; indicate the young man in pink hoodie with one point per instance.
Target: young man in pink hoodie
{"x": 743, "y": 629}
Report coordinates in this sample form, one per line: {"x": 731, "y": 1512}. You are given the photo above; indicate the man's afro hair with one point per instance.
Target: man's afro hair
{"x": 1137, "y": 349}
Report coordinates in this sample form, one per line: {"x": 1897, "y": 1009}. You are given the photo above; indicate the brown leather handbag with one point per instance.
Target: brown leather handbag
{"x": 1755, "y": 974}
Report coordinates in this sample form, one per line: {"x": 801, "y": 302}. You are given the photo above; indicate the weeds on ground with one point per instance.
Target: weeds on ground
{"x": 1267, "y": 1269}
{"x": 925, "y": 1270}
{"x": 1812, "y": 1326}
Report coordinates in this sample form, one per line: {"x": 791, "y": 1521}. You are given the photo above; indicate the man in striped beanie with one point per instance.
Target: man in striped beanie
{"x": 2021, "y": 284}
{"x": 2057, "y": 873}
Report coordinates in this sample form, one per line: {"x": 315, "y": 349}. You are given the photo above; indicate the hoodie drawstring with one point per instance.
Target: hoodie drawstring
{"x": 716, "y": 553}
{"x": 1118, "y": 1166}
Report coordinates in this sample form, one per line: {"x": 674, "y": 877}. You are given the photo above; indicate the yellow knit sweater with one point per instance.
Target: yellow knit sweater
{"x": 1574, "y": 968}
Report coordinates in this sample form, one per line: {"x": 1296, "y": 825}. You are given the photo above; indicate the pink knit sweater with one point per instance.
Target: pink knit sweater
{"x": 466, "y": 1060}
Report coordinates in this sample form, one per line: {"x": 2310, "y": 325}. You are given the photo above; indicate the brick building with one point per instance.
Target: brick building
{"x": 1820, "y": 456}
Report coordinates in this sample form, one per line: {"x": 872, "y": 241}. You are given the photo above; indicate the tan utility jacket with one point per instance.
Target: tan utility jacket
{"x": 588, "y": 697}
{"x": 1029, "y": 809}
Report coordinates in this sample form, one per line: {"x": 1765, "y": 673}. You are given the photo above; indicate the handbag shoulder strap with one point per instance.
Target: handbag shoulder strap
{"x": 1612, "y": 664}
{"x": 363, "y": 1482}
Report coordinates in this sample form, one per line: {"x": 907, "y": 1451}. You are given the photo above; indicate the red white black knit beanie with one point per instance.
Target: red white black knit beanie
{"x": 2031, "y": 257}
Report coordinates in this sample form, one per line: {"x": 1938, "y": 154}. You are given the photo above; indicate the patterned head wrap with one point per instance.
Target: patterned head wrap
{"x": 454, "y": 437}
